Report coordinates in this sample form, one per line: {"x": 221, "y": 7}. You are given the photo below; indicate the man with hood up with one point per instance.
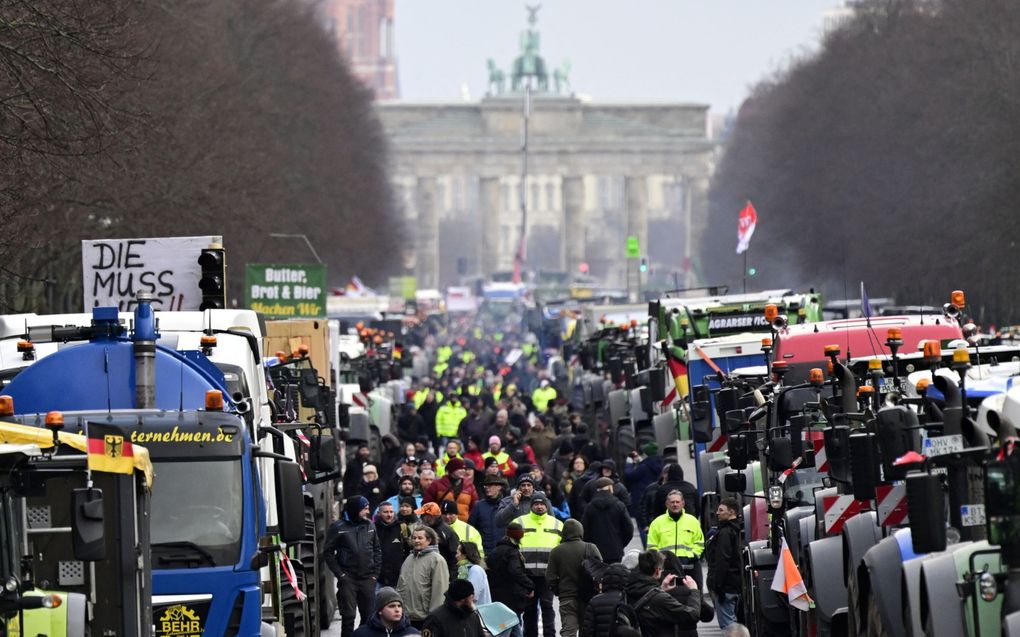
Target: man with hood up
{"x": 566, "y": 573}
{"x": 389, "y": 619}
{"x": 354, "y": 556}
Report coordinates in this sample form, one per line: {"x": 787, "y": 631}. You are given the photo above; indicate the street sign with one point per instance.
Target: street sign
{"x": 114, "y": 271}
{"x": 633, "y": 247}
{"x": 286, "y": 291}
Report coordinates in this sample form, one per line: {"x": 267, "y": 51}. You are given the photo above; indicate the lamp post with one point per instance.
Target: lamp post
{"x": 279, "y": 235}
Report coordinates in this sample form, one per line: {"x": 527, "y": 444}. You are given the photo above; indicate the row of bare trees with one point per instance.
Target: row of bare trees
{"x": 138, "y": 118}
{"x": 890, "y": 156}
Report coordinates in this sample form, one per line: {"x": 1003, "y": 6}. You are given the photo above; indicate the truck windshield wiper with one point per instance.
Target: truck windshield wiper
{"x": 184, "y": 558}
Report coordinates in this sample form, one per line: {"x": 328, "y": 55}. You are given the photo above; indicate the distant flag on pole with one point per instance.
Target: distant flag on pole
{"x": 866, "y": 310}
{"x": 745, "y": 227}
{"x": 789, "y": 582}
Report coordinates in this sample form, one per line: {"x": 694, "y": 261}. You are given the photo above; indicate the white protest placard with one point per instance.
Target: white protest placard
{"x": 114, "y": 271}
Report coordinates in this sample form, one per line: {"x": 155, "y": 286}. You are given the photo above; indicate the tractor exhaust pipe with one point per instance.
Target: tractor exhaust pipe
{"x": 144, "y": 338}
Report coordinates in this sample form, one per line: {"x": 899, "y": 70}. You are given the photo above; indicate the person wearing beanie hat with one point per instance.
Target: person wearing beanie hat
{"x": 465, "y": 532}
{"x": 509, "y": 582}
{"x": 389, "y": 619}
{"x": 354, "y": 555}
{"x": 432, "y": 517}
{"x": 405, "y": 489}
{"x": 453, "y": 486}
{"x": 638, "y": 475}
{"x": 518, "y": 503}
{"x": 543, "y": 533}
{"x": 506, "y": 464}
{"x": 607, "y": 522}
{"x": 457, "y": 615}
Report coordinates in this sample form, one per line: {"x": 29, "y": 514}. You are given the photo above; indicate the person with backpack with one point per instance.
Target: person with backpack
{"x": 724, "y": 563}
{"x": 567, "y": 577}
{"x": 608, "y": 613}
{"x": 659, "y": 613}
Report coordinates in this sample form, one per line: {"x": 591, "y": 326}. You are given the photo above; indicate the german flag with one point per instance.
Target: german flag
{"x": 109, "y": 449}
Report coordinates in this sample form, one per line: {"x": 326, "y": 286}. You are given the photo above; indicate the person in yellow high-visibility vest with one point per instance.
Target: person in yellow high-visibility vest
{"x": 679, "y": 533}
{"x": 542, "y": 533}
{"x": 448, "y": 419}
{"x": 465, "y": 531}
{"x": 452, "y": 451}
{"x": 543, "y": 395}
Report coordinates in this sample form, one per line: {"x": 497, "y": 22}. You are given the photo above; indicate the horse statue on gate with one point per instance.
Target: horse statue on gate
{"x": 497, "y": 79}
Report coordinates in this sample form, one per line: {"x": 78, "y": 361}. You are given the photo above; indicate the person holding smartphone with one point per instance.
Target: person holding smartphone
{"x": 660, "y": 613}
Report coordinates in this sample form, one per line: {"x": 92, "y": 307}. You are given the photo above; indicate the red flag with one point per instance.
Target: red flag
{"x": 745, "y": 227}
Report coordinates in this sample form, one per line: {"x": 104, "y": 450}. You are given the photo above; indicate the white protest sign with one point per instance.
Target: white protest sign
{"x": 114, "y": 271}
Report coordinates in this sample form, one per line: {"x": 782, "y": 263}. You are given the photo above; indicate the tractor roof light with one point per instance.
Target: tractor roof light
{"x": 894, "y": 336}
{"x": 214, "y": 400}
{"x": 831, "y": 350}
{"x": 208, "y": 341}
{"x": 25, "y": 346}
{"x": 6, "y": 406}
{"x": 958, "y": 298}
{"x": 865, "y": 390}
{"x": 55, "y": 420}
{"x": 816, "y": 376}
{"x": 922, "y": 385}
{"x": 932, "y": 349}
{"x": 771, "y": 312}
{"x": 961, "y": 356}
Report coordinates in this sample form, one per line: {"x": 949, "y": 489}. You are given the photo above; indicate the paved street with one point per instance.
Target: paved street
{"x": 708, "y": 630}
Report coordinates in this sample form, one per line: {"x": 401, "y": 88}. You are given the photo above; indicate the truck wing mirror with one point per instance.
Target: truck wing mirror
{"x": 657, "y": 384}
{"x": 309, "y": 389}
{"x": 701, "y": 421}
{"x": 926, "y": 506}
{"x": 88, "y": 541}
{"x": 290, "y": 503}
{"x": 736, "y": 449}
{"x": 324, "y": 459}
{"x": 780, "y": 454}
{"x": 727, "y": 399}
{"x": 733, "y": 421}
{"x": 863, "y": 465}
{"x": 735, "y": 481}
{"x": 895, "y": 438}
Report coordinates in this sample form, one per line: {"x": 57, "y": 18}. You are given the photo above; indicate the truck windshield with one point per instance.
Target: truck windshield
{"x": 196, "y": 513}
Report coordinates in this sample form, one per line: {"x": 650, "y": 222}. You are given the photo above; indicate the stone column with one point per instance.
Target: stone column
{"x": 697, "y": 216}
{"x": 635, "y": 190}
{"x": 573, "y": 222}
{"x": 426, "y": 231}
{"x": 488, "y": 203}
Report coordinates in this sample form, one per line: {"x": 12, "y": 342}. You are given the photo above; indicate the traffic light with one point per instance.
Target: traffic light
{"x": 214, "y": 278}
{"x": 644, "y": 265}
{"x": 751, "y": 271}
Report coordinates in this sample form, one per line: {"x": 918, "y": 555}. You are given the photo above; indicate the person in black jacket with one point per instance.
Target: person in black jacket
{"x": 606, "y": 522}
{"x": 483, "y": 514}
{"x": 457, "y": 616}
{"x": 674, "y": 482}
{"x": 508, "y": 580}
{"x": 354, "y": 556}
{"x": 600, "y": 615}
{"x": 659, "y": 612}
{"x": 392, "y": 542}
{"x": 724, "y": 563}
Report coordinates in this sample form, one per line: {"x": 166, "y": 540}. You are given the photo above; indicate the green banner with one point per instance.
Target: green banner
{"x": 285, "y": 291}
{"x": 403, "y": 287}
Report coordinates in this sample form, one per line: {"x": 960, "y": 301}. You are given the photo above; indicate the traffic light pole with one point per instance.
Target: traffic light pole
{"x": 745, "y": 270}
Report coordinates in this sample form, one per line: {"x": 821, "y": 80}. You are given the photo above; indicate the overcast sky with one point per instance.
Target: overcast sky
{"x": 707, "y": 51}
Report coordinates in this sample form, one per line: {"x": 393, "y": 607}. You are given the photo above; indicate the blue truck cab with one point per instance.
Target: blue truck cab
{"x": 208, "y": 514}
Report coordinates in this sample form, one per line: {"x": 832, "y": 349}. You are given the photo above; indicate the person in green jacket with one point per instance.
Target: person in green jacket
{"x": 566, "y": 575}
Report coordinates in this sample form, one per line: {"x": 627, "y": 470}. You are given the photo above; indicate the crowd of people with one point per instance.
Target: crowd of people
{"x": 493, "y": 489}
